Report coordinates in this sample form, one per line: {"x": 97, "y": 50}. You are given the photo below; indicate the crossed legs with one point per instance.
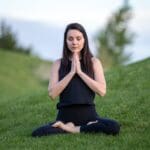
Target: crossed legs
{"x": 101, "y": 125}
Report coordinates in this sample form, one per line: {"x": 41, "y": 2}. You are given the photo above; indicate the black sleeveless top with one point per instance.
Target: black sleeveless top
{"x": 76, "y": 92}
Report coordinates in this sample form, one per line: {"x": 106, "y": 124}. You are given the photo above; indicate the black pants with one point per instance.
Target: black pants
{"x": 80, "y": 115}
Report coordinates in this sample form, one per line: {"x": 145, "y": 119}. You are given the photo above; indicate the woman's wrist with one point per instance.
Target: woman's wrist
{"x": 72, "y": 73}
{"x": 80, "y": 72}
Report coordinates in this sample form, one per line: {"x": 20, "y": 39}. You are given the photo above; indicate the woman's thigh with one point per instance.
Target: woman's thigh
{"x": 102, "y": 125}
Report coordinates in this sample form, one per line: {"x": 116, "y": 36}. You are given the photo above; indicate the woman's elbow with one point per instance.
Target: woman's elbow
{"x": 51, "y": 95}
{"x": 102, "y": 92}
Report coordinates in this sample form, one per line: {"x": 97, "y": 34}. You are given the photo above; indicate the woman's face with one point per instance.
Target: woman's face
{"x": 75, "y": 41}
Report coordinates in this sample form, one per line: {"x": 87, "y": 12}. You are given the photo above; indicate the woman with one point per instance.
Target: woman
{"x": 76, "y": 77}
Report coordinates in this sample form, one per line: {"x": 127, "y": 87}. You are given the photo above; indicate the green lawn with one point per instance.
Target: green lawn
{"x": 25, "y": 105}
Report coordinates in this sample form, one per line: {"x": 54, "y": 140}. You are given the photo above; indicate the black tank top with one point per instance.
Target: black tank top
{"x": 76, "y": 92}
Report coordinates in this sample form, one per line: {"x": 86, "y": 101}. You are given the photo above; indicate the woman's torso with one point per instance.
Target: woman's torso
{"x": 76, "y": 92}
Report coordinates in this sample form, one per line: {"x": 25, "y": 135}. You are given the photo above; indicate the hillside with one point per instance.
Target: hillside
{"x": 21, "y": 73}
{"x": 25, "y": 105}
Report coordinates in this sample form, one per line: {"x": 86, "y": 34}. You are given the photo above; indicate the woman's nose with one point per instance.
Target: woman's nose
{"x": 74, "y": 42}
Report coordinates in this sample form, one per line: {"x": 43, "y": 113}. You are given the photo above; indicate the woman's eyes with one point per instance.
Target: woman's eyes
{"x": 71, "y": 39}
{"x": 79, "y": 39}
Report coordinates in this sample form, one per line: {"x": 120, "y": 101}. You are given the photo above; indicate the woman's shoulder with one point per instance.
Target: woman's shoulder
{"x": 57, "y": 62}
{"x": 95, "y": 60}
{"x": 97, "y": 65}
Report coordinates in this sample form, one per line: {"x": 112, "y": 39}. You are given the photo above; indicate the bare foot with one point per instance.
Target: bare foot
{"x": 69, "y": 127}
{"x": 58, "y": 124}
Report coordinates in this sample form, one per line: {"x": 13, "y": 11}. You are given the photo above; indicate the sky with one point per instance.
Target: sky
{"x": 92, "y": 14}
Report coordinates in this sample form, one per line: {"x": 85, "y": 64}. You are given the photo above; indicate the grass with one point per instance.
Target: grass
{"x": 25, "y": 105}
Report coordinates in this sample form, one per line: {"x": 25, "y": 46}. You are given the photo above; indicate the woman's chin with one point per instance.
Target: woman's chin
{"x": 75, "y": 51}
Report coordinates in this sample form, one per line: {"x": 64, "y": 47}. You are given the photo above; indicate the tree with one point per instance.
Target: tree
{"x": 7, "y": 37}
{"x": 8, "y": 40}
{"x": 112, "y": 40}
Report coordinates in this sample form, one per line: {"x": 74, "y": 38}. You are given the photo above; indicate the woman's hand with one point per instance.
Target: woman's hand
{"x": 73, "y": 66}
{"x": 77, "y": 63}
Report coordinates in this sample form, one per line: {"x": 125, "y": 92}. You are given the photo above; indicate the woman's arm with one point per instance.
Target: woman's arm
{"x": 55, "y": 86}
{"x": 98, "y": 85}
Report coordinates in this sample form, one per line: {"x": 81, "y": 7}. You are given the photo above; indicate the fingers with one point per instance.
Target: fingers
{"x": 76, "y": 59}
{"x": 76, "y": 66}
{"x": 73, "y": 67}
{"x": 75, "y": 56}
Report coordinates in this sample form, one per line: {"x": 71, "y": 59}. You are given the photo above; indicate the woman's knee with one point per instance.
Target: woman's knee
{"x": 110, "y": 126}
{"x": 34, "y": 133}
{"x": 116, "y": 128}
{"x": 41, "y": 131}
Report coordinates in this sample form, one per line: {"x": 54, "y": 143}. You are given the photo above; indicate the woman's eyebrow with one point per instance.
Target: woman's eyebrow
{"x": 79, "y": 36}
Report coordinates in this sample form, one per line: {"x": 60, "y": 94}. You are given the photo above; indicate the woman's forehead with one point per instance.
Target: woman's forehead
{"x": 74, "y": 32}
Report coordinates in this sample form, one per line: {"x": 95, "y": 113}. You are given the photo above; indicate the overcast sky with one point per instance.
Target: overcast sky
{"x": 93, "y": 14}
{"x": 89, "y": 12}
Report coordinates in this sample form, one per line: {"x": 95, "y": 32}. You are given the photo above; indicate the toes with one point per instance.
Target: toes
{"x": 57, "y": 124}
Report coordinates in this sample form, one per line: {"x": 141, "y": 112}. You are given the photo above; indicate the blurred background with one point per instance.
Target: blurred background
{"x": 118, "y": 30}
{"x": 31, "y": 37}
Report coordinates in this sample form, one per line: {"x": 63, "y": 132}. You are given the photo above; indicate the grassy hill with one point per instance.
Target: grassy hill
{"x": 25, "y": 105}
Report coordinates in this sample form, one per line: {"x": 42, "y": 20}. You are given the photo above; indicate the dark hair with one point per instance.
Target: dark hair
{"x": 86, "y": 55}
